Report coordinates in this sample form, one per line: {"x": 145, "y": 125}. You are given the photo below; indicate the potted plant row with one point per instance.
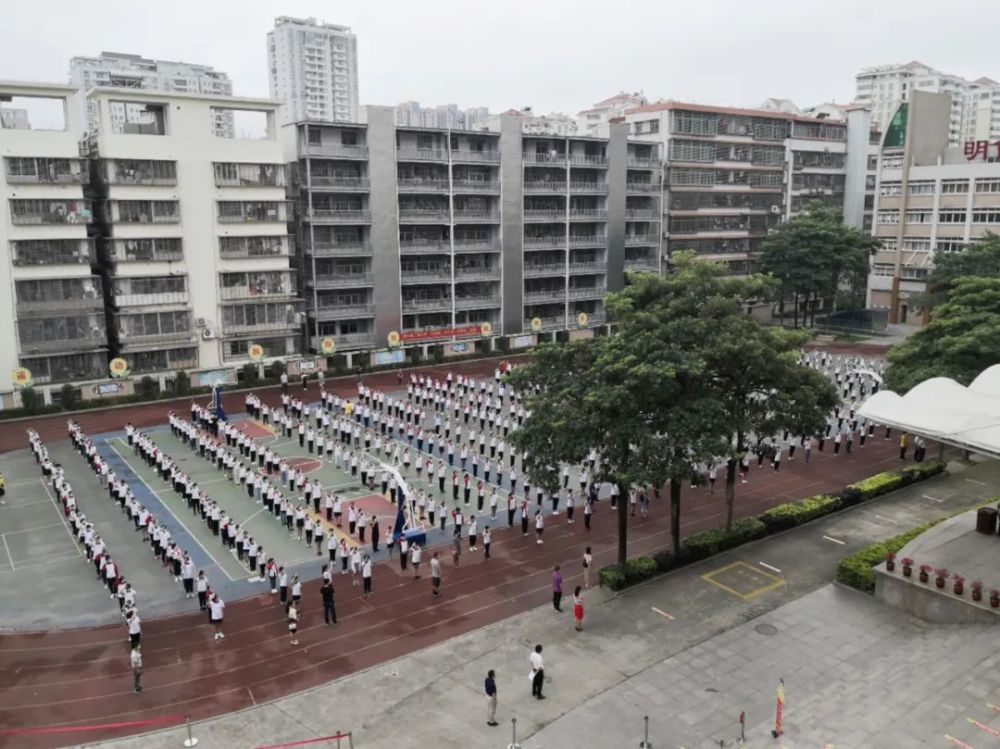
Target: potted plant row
{"x": 925, "y": 572}
{"x": 941, "y": 574}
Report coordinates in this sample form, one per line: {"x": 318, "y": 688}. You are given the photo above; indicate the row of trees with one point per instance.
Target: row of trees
{"x": 963, "y": 337}
{"x": 688, "y": 378}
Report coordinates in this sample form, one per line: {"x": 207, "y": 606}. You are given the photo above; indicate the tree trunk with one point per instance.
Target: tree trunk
{"x": 781, "y": 306}
{"x": 622, "y": 525}
{"x": 675, "y": 515}
{"x": 732, "y": 467}
{"x": 795, "y": 312}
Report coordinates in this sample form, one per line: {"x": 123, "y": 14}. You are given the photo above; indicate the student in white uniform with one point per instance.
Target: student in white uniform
{"x": 217, "y": 606}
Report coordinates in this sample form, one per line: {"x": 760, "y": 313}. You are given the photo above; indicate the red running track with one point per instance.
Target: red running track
{"x": 79, "y": 676}
{"x": 99, "y": 421}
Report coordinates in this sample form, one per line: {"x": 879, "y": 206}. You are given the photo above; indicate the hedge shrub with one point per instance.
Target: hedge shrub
{"x": 708, "y": 543}
{"x": 636, "y": 570}
{"x": 858, "y": 569}
{"x": 791, "y": 514}
{"x": 880, "y": 483}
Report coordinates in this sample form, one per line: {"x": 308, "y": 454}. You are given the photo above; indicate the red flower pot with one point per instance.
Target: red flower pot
{"x": 924, "y": 577}
{"x": 977, "y": 595}
{"x": 907, "y": 572}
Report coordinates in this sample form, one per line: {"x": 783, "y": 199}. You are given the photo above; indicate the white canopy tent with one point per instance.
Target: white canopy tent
{"x": 945, "y": 411}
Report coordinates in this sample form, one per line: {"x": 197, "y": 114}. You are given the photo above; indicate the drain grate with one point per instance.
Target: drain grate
{"x": 766, "y": 629}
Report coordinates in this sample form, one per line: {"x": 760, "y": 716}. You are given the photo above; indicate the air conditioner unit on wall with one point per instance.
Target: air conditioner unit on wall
{"x": 208, "y": 334}
{"x": 200, "y": 322}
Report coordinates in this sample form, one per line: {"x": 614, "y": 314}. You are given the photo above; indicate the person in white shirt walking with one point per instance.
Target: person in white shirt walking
{"x": 366, "y": 576}
{"x": 293, "y": 622}
{"x": 217, "y": 607}
{"x": 537, "y": 673}
{"x": 435, "y": 575}
{"x": 415, "y": 554}
{"x": 135, "y": 659}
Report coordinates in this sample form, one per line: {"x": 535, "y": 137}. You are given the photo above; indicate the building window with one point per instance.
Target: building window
{"x": 988, "y": 185}
{"x": 889, "y": 189}
{"x": 889, "y": 217}
{"x": 991, "y": 216}
{"x": 919, "y": 217}
{"x": 951, "y": 217}
{"x": 920, "y": 188}
{"x": 955, "y": 186}
{"x": 950, "y": 246}
{"x": 917, "y": 245}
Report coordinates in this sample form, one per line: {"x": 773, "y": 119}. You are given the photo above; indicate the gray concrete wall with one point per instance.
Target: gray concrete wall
{"x": 512, "y": 225}
{"x": 858, "y": 133}
{"x": 617, "y": 172}
{"x": 927, "y": 602}
{"x": 385, "y": 221}
{"x": 927, "y": 127}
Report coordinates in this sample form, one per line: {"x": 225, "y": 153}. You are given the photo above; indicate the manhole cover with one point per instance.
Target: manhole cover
{"x": 766, "y": 629}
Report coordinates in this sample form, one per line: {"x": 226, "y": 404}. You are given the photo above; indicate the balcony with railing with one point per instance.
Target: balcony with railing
{"x": 477, "y": 301}
{"x": 641, "y": 240}
{"x": 257, "y": 286}
{"x": 643, "y": 162}
{"x": 58, "y": 295}
{"x": 426, "y": 304}
{"x": 31, "y": 170}
{"x": 475, "y": 185}
{"x": 641, "y": 264}
{"x": 49, "y": 211}
{"x": 486, "y": 156}
{"x": 345, "y": 341}
{"x": 405, "y": 153}
{"x": 61, "y": 334}
{"x": 338, "y": 183}
{"x": 424, "y": 246}
{"x": 588, "y": 214}
{"x": 539, "y": 270}
{"x": 547, "y": 323}
{"x": 234, "y": 248}
{"x": 412, "y": 277}
{"x": 587, "y": 292}
{"x": 353, "y": 248}
{"x": 424, "y": 215}
{"x": 339, "y": 280}
{"x": 589, "y": 188}
{"x": 240, "y": 174}
{"x": 163, "y": 327}
{"x": 474, "y": 215}
{"x": 641, "y": 214}
{"x": 544, "y": 159}
{"x": 143, "y": 212}
{"x": 476, "y": 244}
{"x": 548, "y": 215}
{"x": 587, "y": 267}
{"x": 588, "y": 240}
{"x": 335, "y": 150}
{"x": 642, "y": 187}
{"x": 35, "y": 252}
{"x": 584, "y": 159}
{"x": 543, "y": 186}
{"x": 342, "y": 312}
{"x": 139, "y": 172}
{"x": 545, "y": 242}
{"x": 266, "y": 317}
{"x": 253, "y": 212}
{"x": 421, "y": 184}
{"x": 476, "y": 273}
{"x": 149, "y": 250}
{"x": 339, "y": 216}
{"x": 544, "y": 295}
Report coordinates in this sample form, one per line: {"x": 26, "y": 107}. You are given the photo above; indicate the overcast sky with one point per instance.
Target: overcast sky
{"x": 554, "y": 55}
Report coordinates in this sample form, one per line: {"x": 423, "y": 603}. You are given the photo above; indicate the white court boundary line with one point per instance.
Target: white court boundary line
{"x": 28, "y": 530}
{"x": 43, "y": 563}
{"x": 9, "y": 555}
{"x": 768, "y": 566}
{"x": 59, "y": 512}
{"x": 167, "y": 508}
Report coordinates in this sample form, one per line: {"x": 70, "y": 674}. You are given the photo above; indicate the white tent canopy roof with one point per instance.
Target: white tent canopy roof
{"x": 945, "y": 411}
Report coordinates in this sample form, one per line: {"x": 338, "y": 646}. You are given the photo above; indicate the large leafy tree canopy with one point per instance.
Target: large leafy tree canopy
{"x": 814, "y": 254}
{"x": 981, "y": 259}
{"x": 960, "y": 341}
{"x": 686, "y": 379}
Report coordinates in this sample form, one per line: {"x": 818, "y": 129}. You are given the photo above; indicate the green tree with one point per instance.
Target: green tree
{"x": 960, "y": 341}
{"x": 981, "y": 259}
{"x": 813, "y": 255}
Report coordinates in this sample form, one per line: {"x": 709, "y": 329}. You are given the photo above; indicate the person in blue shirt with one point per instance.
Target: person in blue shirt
{"x": 491, "y": 698}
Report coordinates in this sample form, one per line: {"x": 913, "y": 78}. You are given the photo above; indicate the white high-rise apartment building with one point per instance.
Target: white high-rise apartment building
{"x": 975, "y": 105}
{"x": 313, "y": 70}
{"x": 117, "y": 70}
{"x": 445, "y": 116}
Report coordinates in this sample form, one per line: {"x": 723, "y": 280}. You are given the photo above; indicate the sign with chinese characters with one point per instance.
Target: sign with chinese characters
{"x": 427, "y": 335}
{"x": 982, "y": 150}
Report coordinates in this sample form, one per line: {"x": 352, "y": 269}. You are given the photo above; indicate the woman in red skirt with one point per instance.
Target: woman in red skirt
{"x": 578, "y": 609}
